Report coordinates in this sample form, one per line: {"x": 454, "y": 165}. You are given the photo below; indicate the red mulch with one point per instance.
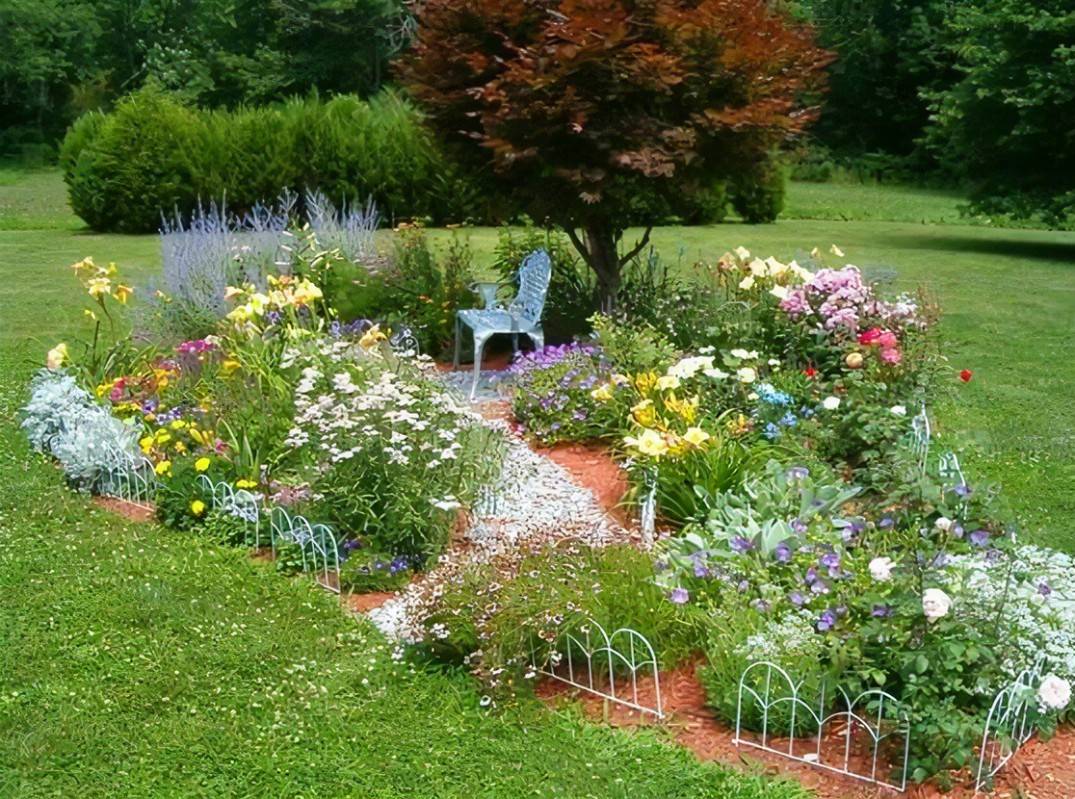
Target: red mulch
{"x": 364, "y": 603}
{"x": 592, "y": 467}
{"x": 1041, "y": 770}
{"x": 128, "y": 510}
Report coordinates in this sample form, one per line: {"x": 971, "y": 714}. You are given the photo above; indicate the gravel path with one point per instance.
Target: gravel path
{"x": 534, "y": 502}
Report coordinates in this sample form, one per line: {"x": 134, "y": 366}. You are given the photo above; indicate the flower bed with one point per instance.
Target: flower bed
{"x": 807, "y": 517}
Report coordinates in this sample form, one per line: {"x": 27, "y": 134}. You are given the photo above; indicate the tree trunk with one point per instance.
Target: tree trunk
{"x": 599, "y": 248}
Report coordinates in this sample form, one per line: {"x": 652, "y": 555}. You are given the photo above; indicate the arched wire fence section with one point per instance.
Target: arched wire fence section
{"x": 129, "y": 477}
{"x": 606, "y": 665}
{"x": 317, "y": 543}
{"x": 320, "y": 553}
{"x": 871, "y": 737}
{"x": 1009, "y": 725}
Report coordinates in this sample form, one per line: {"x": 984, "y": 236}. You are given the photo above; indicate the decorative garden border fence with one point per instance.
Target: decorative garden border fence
{"x": 317, "y": 543}
{"x": 1009, "y": 723}
{"x": 130, "y": 477}
{"x": 589, "y": 659}
{"x": 877, "y": 713}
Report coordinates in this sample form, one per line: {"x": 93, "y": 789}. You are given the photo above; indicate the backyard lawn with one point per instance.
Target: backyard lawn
{"x": 139, "y": 661}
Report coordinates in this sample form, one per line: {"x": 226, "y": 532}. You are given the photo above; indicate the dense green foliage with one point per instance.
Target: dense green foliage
{"x": 154, "y": 155}
{"x": 59, "y": 58}
{"x": 1007, "y": 125}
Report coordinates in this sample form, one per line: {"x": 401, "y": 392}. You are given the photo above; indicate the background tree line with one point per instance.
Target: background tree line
{"x": 980, "y": 92}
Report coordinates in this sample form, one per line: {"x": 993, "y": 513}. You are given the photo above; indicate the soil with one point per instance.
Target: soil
{"x": 364, "y": 603}
{"x": 128, "y": 510}
{"x": 1040, "y": 770}
{"x": 592, "y": 467}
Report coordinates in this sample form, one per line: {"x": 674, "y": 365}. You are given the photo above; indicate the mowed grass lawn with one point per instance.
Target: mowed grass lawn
{"x": 140, "y": 662}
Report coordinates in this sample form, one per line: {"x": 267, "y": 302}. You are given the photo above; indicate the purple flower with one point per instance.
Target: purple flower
{"x": 798, "y": 473}
{"x": 741, "y": 545}
{"x": 797, "y": 598}
{"x": 811, "y": 576}
{"x": 782, "y": 552}
{"x": 700, "y": 569}
{"x": 826, "y": 621}
{"x": 760, "y": 605}
{"x": 963, "y": 490}
{"x": 886, "y": 522}
{"x": 679, "y": 596}
{"x": 743, "y": 586}
{"x": 881, "y": 611}
{"x": 979, "y": 538}
{"x": 1044, "y": 588}
{"x": 798, "y": 525}
{"x": 831, "y": 561}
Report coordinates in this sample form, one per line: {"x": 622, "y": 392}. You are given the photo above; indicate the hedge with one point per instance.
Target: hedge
{"x": 154, "y": 155}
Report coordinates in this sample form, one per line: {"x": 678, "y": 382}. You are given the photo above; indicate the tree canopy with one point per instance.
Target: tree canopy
{"x": 599, "y": 114}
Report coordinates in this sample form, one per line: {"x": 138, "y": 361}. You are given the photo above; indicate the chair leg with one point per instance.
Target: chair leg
{"x": 538, "y": 337}
{"x": 514, "y": 343}
{"x": 479, "y": 346}
{"x": 458, "y": 342}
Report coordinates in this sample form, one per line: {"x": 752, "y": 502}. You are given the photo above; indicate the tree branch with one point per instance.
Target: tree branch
{"x": 639, "y": 246}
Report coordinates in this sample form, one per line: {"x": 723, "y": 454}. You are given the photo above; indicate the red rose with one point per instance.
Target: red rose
{"x": 810, "y": 372}
{"x": 966, "y": 375}
{"x": 870, "y": 336}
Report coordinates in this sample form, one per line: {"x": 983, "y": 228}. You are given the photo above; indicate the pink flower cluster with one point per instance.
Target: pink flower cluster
{"x": 195, "y": 346}
{"x": 841, "y": 300}
{"x": 885, "y": 340}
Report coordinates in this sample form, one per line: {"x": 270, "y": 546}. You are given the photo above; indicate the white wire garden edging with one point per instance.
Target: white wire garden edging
{"x": 1009, "y": 724}
{"x": 858, "y": 712}
{"x": 587, "y": 657}
{"x": 317, "y": 543}
{"x": 130, "y": 477}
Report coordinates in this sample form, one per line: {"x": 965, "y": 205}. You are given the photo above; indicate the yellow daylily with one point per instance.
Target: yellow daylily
{"x": 603, "y": 393}
{"x": 197, "y": 507}
{"x": 163, "y": 468}
{"x": 202, "y": 464}
{"x": 371, "y": 337}
{"x": 650, "y": 443}
{"x": 696, "y": 436}
{"x": 123, "y": 293}
{"x": 244, "y": 483}
{"x": 56, "y": 356}
{"x": 145, "y": 444}
{"x": 99, "y": 286}
{"x": 644, "y": 413}
{"x": 667, "y": 382}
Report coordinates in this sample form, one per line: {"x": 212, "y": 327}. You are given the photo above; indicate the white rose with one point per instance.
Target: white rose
{"x": 746, "y": 375}
{"x": 716, "y": 374}
{"x": 830, "y": 403}
{"x": 935, "y": 604}
{"x": 943, "y": 523}
{"x": 898, "y": 410}
{"x": 881, "y": 569}
{"x": 1054, "y": 692}
{"x": 740, "y": 353}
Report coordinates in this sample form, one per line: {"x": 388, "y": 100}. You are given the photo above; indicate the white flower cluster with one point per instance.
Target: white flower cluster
{"x": 790, "y": 639}
{"x": 1035, "y": 594}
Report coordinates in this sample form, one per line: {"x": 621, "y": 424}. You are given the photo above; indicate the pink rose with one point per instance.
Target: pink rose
{"x": 891, "y": 356}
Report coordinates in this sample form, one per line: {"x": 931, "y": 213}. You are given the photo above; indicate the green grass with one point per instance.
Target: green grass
{"x": 139, "y": 662}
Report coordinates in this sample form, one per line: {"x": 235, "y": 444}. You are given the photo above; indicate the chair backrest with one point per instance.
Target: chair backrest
{"x": 534, "y": 276}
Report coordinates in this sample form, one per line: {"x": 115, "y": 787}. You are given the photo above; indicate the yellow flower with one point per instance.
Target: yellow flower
{"x": 229, "y": 366}
{"x": 98, "y": 286}
{"x": 198, "y": 436}
{"x": 197, "y": 507}
{"x": 202, "y": 464}
{"x": 644, "y": 413}
{"x": 146, "y": 443}
{"x": 650, "y": 443}
{"x": 123, "y": 293}
{"x": 163, "y": 436}
{"x": 696, "y": 436}
{"x": 667, "y": 382}
{"x": 56, "y": 356}
{"x": 687, "y": 410}
{"x": 244, "y": 483}
{"x": 231, "y": 292}
{"x": 178, "y": 424}
{"x": 163, "y": 468}
{"x": 645, "y": 381}
{"x": 603, "y": 393}
{"x": 92, "y": 316}
{"x": 371, "y": 337}
{"x": 306, "y": 292}
{"x": 85, "y": 263}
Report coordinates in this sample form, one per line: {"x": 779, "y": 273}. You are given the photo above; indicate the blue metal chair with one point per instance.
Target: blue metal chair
{"x": 522, "y": 315}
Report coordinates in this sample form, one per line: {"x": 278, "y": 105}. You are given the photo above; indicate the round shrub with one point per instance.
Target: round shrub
{"x": 758, "y": 196}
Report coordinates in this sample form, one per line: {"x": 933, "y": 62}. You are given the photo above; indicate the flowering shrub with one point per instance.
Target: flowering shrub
{"x": 553, "y": 398}
{"x": 391, "y": 456}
